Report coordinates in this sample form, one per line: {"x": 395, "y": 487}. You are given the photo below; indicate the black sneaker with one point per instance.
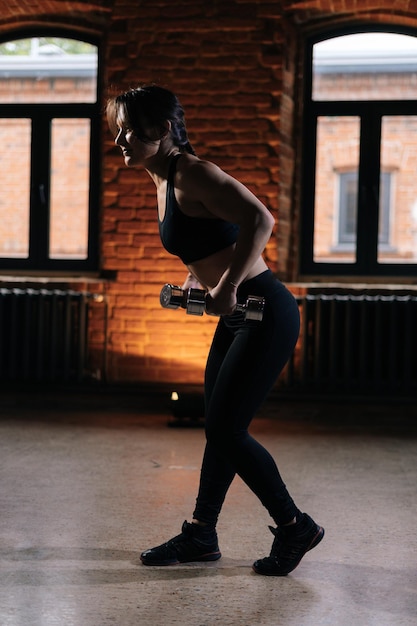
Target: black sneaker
{"x": 289, "y": 546}
{"x": 195, "y": 543}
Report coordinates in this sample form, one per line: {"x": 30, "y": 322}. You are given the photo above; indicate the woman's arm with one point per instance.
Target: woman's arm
{"x": 224, "y": 197}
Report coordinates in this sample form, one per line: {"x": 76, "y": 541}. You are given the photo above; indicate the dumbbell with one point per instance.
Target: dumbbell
{"x": 194, "y": 302}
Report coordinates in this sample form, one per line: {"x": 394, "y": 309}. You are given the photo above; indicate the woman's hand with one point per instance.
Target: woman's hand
{"x": 221, "y": 300}
{"x": 191, "y": 283}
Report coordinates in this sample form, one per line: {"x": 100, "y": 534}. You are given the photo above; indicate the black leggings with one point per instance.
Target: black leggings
{"x": 244, "y": 362}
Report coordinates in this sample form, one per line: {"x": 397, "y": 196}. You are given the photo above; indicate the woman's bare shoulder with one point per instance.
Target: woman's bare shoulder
{"x": 195, "y": 174}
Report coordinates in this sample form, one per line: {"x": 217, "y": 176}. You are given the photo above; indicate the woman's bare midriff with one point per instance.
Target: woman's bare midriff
{"x": 208, "y": 271}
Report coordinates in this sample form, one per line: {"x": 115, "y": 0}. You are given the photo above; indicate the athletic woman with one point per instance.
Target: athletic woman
{"x": 219, "y": 229}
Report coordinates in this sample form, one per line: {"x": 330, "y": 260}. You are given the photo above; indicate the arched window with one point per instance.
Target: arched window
{"x": 359, "y": 204}
{"x": 49, "y": 138}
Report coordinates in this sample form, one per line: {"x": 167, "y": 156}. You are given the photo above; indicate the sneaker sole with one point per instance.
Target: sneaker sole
{"x": 315, "y": 541}
{"x": 204, "y": 558}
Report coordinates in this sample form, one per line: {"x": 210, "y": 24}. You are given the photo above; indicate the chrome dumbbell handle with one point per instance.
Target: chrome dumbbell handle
{"x": 194, "y": 301}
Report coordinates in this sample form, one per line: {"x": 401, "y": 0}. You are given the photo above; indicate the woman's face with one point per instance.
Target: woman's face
{"x": 135, "y": 151}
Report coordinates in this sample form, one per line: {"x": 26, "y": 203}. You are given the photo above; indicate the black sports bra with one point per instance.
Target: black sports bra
{"x": 192, "y": 238}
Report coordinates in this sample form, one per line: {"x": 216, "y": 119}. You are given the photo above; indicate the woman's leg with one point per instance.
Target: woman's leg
{"x": 217, "y": 472}
{"x": 244, "y": 363}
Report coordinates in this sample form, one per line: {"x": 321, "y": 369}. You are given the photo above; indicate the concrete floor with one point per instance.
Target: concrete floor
{"x": 89, "y": 481}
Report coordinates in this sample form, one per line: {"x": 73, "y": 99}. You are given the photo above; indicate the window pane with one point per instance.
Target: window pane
{"x": 15, "y": 142}
{"x": 70, "y": 157}
{"x": 384, "y": 208}
{"x": 365, "y": 66}
{"x": 48, "y": 69}
{"x": 348, "y": 202}
{"x": 399, "y": 156}
{"x": 335, "y": 199}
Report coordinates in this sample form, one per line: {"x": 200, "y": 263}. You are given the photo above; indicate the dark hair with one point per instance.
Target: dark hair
{"x": 153, "y": 105}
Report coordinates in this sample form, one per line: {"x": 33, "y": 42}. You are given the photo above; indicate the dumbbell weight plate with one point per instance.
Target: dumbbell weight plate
{"x": 196, "y": 301}
{"x": 171, "y": 296}
{"x": 254, "y": 309}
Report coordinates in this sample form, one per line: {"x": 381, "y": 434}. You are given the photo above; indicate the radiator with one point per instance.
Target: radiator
{"x": 43, "y": 334}
{"x": 360, "y": 343}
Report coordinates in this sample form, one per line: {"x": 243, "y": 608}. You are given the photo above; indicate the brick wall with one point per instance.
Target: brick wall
{"x": 236, "y": 66}
{"x": 228, "y": 80}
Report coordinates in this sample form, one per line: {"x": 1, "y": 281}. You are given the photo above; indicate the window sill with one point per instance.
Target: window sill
{"x": 57, "y": 277}
{"x": 352, "y": 282}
